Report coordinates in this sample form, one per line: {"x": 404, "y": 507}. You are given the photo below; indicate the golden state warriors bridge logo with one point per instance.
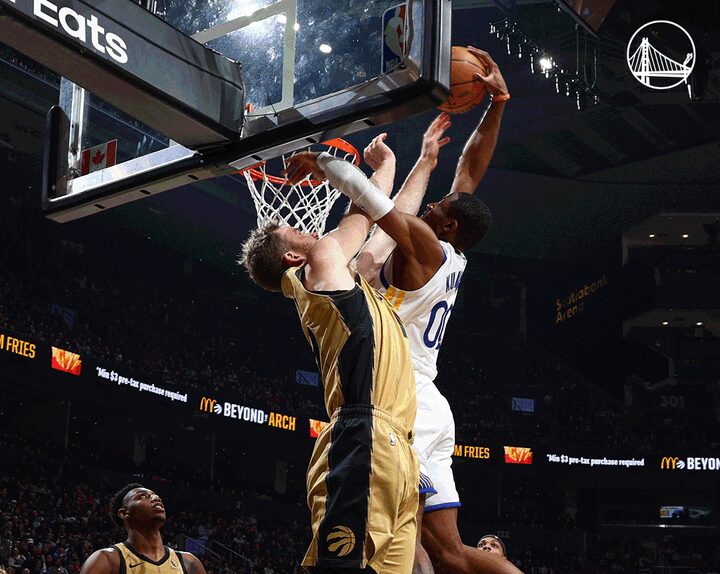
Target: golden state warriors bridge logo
{"x": 341, "y": 541}
{"x": 661, "y": 55}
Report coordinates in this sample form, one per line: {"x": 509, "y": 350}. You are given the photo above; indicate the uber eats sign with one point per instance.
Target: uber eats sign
{"x": 77, "y": 21}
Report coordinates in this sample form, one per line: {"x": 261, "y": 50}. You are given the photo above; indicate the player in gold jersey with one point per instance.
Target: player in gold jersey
{"x": 363, "y": 475}
{"x": 142, "y": 513}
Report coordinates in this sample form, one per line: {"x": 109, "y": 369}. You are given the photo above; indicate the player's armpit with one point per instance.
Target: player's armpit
{"x": 373, "y": 256}
{"x": 105, "y": 561}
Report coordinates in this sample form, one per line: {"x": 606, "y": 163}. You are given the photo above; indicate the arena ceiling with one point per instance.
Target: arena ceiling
{"x": 564, "y": 183}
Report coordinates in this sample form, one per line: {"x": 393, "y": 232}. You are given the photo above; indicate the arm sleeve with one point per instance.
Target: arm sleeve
{"x": 350, "y": 181}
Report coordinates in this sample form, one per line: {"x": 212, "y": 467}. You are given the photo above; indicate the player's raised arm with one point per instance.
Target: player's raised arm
{"x": 411, "y": 234}
{"x": 411, "y": 194}
{"x": 338, "y": 247}
{"x": 382, "y": 160}
{"x": 480, "y": 146}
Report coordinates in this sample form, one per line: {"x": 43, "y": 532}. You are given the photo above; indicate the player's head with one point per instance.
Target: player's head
{"x": 134, "y": 506}
{"x": 492, "y": 543}
{"x": 461, "y": 219}
{"x": 272, "y": 249}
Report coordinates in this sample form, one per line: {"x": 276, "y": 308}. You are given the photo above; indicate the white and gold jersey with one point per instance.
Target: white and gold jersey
{"x": 426, "y": 311}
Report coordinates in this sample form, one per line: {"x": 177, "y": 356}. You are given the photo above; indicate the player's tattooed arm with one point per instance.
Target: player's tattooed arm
{"x": 192, "y": 564}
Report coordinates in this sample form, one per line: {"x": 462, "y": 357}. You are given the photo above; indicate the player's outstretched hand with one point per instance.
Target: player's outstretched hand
{"x": 493, "y": 79}
{"x": 433, "y": 139}
{"x": 377, "y": 152}
{"x": 300, "y": 165}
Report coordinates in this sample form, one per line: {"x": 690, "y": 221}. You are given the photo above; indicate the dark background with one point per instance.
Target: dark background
{"x": 152, "y": 289}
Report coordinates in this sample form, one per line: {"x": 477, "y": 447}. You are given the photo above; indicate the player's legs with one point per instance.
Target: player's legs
{"x": 422, "y": 563}
{"x": 440, "y": 536}
{"x": 449, "y": 555}
{"x": 339, "y": 494}
{"x": 399, "y": 556}
{"x": 435, "y": 443}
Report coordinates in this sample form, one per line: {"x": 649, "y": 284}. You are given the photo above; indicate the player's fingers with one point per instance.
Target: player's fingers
{"x": 299, "y": 175}
{"x": 444, "y": 141}
{"x": 441, "y": 123}
{"x": 487, "y": 61}
{"x": 482, "y": 54}
{"x": 480, "y": 78}
{"x": 294, "y": 171}
{"x": 376, "y": 141}
{"x": 436, "y": 122}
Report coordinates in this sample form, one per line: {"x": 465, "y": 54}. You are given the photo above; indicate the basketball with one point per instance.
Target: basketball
{"x": 465, "y": 92}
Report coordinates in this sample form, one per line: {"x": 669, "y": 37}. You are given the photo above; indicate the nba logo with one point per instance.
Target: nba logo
{"x": 394, "y": 25}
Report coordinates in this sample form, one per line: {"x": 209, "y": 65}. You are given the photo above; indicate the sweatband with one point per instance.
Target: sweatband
{"x": 353, "y": 183}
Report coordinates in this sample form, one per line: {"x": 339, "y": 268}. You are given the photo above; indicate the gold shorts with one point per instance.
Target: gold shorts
{"x": 363, "y": 493}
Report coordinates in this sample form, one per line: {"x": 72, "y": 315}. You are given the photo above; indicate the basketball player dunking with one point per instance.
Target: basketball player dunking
{"x": 142, "y": 513}
{"x": 422, "y": 282}
{"x": 362, "y": 478}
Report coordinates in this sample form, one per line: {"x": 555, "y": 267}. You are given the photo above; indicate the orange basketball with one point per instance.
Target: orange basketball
{"x": 465, "y": 92}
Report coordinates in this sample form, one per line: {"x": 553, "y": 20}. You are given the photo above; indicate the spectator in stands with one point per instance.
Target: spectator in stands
{"x": 493, "y": 544}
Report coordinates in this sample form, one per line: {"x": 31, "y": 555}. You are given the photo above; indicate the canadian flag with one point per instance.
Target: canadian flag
{"x": 98, "y": 157}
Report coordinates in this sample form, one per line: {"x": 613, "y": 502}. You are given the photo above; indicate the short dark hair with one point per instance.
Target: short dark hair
{"x": 261, "y": 255}
{"x": 494, "y": 537}
{"x": 116, "y": 503}
{"x": 473, "y": 218}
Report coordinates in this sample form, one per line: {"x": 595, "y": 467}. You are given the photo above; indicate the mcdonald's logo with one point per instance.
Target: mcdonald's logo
{"x": 671, "y": 463}
{"x": 209, "y": 405}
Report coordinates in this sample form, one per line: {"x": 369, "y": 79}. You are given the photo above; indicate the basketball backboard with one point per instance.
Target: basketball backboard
{"x": 312, "y": 70}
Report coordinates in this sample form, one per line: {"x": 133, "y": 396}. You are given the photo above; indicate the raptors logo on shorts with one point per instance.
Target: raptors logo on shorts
{"x": 341, "y": 540}
{"x": 362, "y": 477}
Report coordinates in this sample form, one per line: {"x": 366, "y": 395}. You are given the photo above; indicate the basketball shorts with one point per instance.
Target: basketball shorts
{"x": 363, "y": 493}
{"x": 435, "y": 444}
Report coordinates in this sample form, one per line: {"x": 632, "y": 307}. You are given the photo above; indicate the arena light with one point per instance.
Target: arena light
{"x": 572, "y": 84}
{"x": 325, "y": 48}
{"x": 651, "y": 236}
{"x": 685, "y": 236}
{"x": 546, "y": 63}
{"x": 665, "y": 323}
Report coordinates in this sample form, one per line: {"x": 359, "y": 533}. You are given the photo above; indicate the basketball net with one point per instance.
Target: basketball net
{"x": 304, "y": 205}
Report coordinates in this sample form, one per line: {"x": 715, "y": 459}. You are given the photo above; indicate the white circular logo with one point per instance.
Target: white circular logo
{"x": 217, "y": 409}
{"x": 680, "y": 464}
{"x": 661, "y": 54}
